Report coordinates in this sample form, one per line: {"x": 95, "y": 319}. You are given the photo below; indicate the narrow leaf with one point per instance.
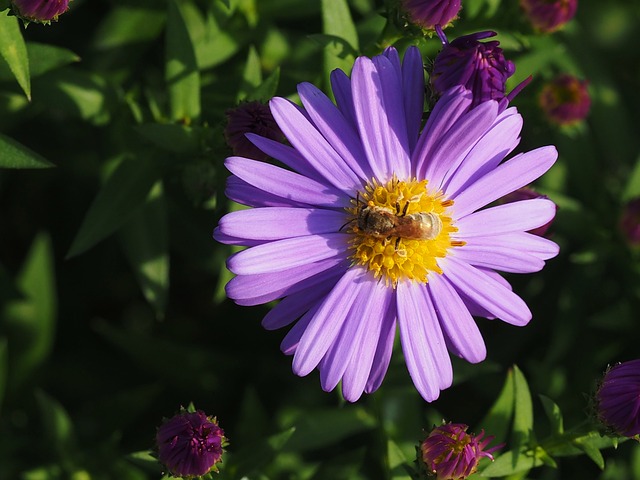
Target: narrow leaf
{"x": 267, "y": 89}
{"x": 31, "y": 320}
{"x": 587, "y": 446}
{"x": 58, "y": 429}
{"x": 171, "y": 137}
{"x": 255, "y": 456}
{"x": 4, "y": 369}
{"x": 16, "y": 155}
{"x": 124, "y": 190}
{"x": 498, "y": 418}
{"x": 337, "y": 22}
{"x": 523, "y": 415}
{"x": 632, "y": 189}
{"x": 397, "y": 462}
{"x": 181, "y": 68}
{"x": 505, "y": 465}
{"x": 14, "y": 51}
{"x": 145, "y": 240}
{"x": 553, "y": 414}
{"x": 252, "y": 75}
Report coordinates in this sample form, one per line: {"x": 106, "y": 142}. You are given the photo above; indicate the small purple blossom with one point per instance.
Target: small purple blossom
{"x": 549, "y": 15}
{"x": 429, "y": 13}
{"x": 449, "y": 453}
{"x": 618, "y": 399}
{"x": 42, "y": 11}
{"x": 318, "y": 234}
{"x": 478, "y": 66}
{"x": 190, "y": 444}
{"x": 250, "y": 117}
{"x": 527, "y": 193}
{"x": 565, "y": 100}
{"x": 630, "y": 221}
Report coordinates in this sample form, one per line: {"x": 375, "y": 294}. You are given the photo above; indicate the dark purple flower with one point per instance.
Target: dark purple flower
{"x": 549, "y": 15}
{"x": 630, "y": 221}
{"x": 449, "y": 453}
{"x": 190, "y": 444}
{"x": 429, "y": 13}
{"x": 565, "y": 100}
{"x": 526, "y": 193}
{"x": 251, "y": 117}
{"x": 477, "y": 66}
{"x": 618, "y": 399}
{"x": 43, "y": 11}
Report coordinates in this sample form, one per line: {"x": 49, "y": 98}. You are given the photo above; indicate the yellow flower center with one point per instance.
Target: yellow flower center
{"x": 400, "y": 229}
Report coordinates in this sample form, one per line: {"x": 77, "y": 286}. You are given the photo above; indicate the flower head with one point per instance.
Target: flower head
{"x": 526, "y": 193}
{"x": 618, "y": 399}
{"x": 630, "y": 221}
{"x": 429, "y": 13}
{"x": 478, "y": 66}
{"x": 565, "y": 100}
{"x": 190, "y": 444}
{"x": 42, "y": 11}
{"x": 449, "y": 453}
{"x": 549, "y": 15}
{"x": 250, "y": 117}
{"x": 378, "y": 226}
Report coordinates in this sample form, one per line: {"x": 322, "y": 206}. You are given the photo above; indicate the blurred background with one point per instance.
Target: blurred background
{"x": 112, "y": 304}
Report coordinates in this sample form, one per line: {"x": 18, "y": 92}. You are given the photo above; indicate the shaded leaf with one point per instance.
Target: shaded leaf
{"x": 338, "y": 25}
{"x": 16, "y": 155}
{"x": 124, "y": 190}
{"x": 632, "y": 188}
{"x": 31, "y": 321}
{"x": 252, "y": 75}
{"x": 14, "y": 51}
{"x": 42, "y": 58}
{"x": 267, "y": 89}
{"x": 4, "y": 368}
{"x": 58, "y": 429}
{"x": 523, "y": 413}
{"x": 255, "y": 456}
{"x": 181, "y": 68}
{"x": 587, "y": 446}
{"x": 171, "y": 137}
{"x": 512, "y": 462}
{"x": 145, "y": 240}
{"x": 398, "y": 468}
{"x": 498, "y": 419}
{"x": 553, "y": 414}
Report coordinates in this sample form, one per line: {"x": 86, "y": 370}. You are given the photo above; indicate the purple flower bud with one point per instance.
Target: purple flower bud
{"x": 42, "y": 11}
{"x": 252, "y": 117}
{"x": 526, "y": 193}
{"x": 477, "y": 66}
{"x": 429, "y": 13}
{"x": 618, "y": 399}
{"x": 630, "y": 222}
{"x": 549, "y": 15}
{"x": 449, "y": 453}
{"x": 190, "y": 444}
{"x": 565, "y": 100}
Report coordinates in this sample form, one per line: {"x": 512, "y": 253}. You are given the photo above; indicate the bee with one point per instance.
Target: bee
{"x": 381, "y": 222}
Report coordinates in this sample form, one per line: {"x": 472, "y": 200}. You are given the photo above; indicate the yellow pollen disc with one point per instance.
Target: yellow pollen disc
{"x": 394, "y": 251}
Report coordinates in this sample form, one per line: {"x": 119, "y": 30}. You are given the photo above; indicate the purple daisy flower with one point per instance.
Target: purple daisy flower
{"x": 618, "y": 399}
{"x": 43, "y": 11}
{"x": 429, "y": 13}
{"x": 478, "y": 66}
{"x": 450, "y": 453}
{"x": 376, "y": 226}
{"x": 565, "y": 100}
{"x": 190, "y": 444}
{"x": 549, "y": 15}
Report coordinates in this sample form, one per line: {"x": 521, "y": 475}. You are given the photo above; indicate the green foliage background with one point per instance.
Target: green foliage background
{"x": 112, "y": 308}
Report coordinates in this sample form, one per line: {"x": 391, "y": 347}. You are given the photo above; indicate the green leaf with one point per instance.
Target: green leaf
{"x": 124, "y": 190}
{"x": 498, "y": 419}
{"x": 174, "y": 138}
{"x": 523, "y": 414}
{"x": 553, "y": 414}
{"x": 632, "y": 189}
{"x": 267, "y": 89}
{"x": 181, "y": 68}
{"x": 16, "y": 155}
{"x": 321, "y": 428}
{"x": 512, "y": 462}
{"x": 587, "y": 446}
{"x": 31, "y": 321}
{"x": 76, "y": 93}
{"x": 397, "y": 462}
{"x": 255, "y": 456}
{"x": 252, "y": 75}
{"x": 145, "y": 239}
{"x": 14, "y": 51}
{"x": 337, "y": 23}
{"x": 58, "y": 429}
{"x": 42, "y": 58}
